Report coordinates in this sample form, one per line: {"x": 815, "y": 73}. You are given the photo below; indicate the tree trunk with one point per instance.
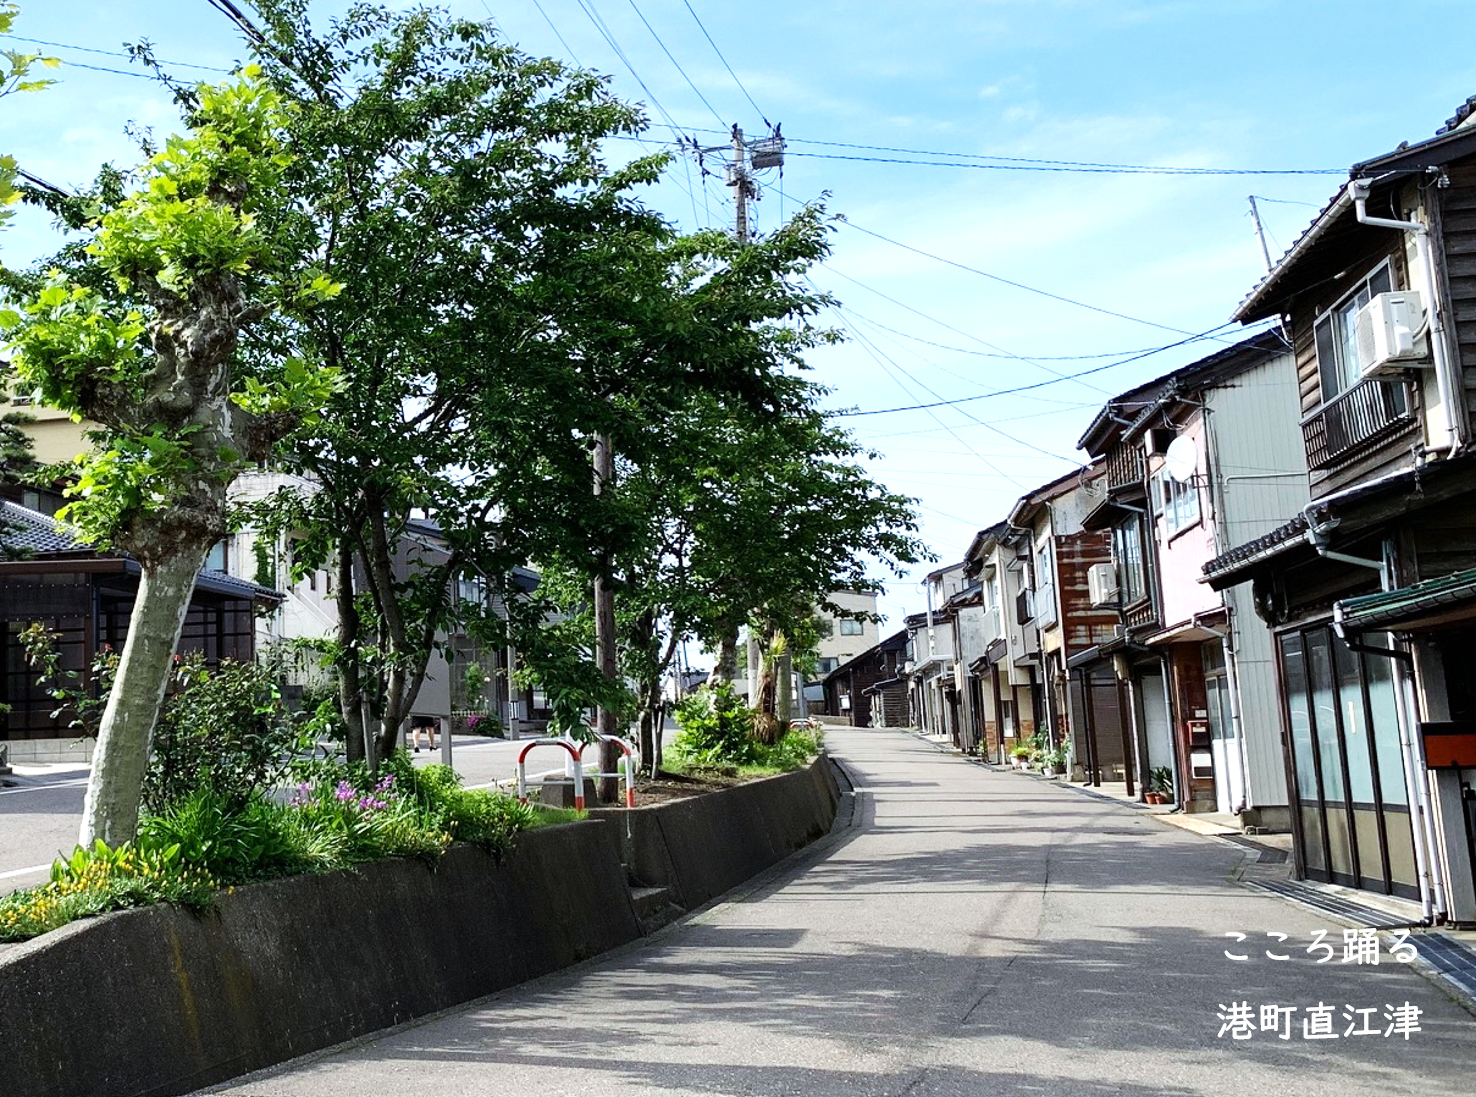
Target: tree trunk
{"x": 605, "y": 639}
{"x": 727, "y": 657}
{"x": 110, "y": 810}
{"x": 783, "y": 687}
{"x": 658, "y": 734}
{"x": 350, "y": 690}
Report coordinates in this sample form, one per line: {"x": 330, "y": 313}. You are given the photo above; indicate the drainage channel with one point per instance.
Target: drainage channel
{"x": 1353, "y": 912}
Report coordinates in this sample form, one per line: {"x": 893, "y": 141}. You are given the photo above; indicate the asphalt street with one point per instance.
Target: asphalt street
{"x": 971, "y": 932}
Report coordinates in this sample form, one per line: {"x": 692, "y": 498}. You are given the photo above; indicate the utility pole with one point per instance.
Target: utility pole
{"x": 1260, "y": 233}
{"x": 604, "y": 606}
{"x": 741, "y": 180}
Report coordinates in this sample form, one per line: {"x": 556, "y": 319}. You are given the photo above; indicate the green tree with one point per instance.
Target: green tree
{"x": 511, "y": 302}
{"x": 462, "y": 183}
{"x": 152, "y": 358}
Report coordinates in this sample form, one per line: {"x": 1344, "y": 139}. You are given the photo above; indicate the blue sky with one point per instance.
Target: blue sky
{"x": 1238, "y": 84}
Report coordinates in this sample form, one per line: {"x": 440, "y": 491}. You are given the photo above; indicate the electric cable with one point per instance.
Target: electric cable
{"x": 108, "y": 53}
{"x": 1009, "y": 282}
{"x": 1022, "y": 388}
{"x": 727, "y": 66}
{"x": 674, "y": 61}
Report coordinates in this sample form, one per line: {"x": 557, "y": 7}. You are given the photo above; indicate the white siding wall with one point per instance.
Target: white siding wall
{"x": 1262, "y": 483}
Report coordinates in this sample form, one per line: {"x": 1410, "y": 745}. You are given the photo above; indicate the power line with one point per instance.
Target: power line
{"x": 727, "y": 66}
{"x": 602, "y": 27}
{"x": 1001, "y": 353}
{"x": 557, "y": 35}
{"x": 1069, "y": 170}
{"x": 675, "y": 62}
{"x": 966, "y": 414}
{"x": 1027, "y": 388}
{"x": 1009, "y": 282}
{"x": 1043, "y": 164}
{"x": 107, "y": 53}
{"x": 882, "y": 360}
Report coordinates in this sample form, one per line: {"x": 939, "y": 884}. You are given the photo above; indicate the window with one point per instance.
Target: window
{"x": 1337, "y": 337}
{"x": 1179, "y": 503}
{"x": 215, "y": 559}
{"x": 1044, "y": 603}
{"x": 849, "y": 626}
{"x": 1127, "y": 553}
{"x": 828, "y": 664}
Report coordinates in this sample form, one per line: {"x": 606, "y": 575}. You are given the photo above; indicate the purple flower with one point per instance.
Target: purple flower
{"x": 344, "y": 791}
{"x": 386, "y": 783}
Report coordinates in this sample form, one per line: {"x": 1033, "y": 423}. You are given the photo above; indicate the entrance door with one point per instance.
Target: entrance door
{"x": 1351, "y": 819}
{"x": 1224, "y": 747}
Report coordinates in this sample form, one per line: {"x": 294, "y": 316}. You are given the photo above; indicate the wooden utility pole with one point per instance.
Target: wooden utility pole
{"x": 739, "y": 181}
{"x": 604, "y": 607}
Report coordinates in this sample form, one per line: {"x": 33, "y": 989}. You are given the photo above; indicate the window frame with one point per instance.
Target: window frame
{"x": 1336, "y": 320}
{"x": 1129, "y": 593}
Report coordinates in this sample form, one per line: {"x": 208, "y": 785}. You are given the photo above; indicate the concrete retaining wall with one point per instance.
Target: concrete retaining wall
{"x": 158, "y": 1002}
{"x": 704, "y": 846}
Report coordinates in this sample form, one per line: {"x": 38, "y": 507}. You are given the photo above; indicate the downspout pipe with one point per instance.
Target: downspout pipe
{"x": 1449, "y": 384}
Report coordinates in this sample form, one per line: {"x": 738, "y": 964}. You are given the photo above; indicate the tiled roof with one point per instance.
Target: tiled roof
{"x": 25, "y": 532}
{"x": 1267, "y": 545}
{"x": 1461, "y": 117}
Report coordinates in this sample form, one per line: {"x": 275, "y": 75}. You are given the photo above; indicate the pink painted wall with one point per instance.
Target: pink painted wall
{"x": 1182, "y": 558}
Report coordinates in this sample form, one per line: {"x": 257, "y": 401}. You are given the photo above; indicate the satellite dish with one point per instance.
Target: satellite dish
{"x": 1181, "y": 459}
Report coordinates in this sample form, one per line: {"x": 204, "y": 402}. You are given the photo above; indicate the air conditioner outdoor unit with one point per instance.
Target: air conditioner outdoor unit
{"x": 1390, "y": 331}
{"x": 1102, "y": 584}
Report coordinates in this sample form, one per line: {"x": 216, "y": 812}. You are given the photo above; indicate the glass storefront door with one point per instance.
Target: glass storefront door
{"x": 1351, "y": 813}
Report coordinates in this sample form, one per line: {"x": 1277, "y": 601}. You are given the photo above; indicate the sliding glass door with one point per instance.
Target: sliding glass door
{"x": 1351, "y": 810}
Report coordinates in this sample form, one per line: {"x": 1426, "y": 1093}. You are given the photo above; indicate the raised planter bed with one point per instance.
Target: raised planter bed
{"x": 158, "y": 1001}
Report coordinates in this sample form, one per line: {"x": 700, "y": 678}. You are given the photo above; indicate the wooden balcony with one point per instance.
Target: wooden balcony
{"x": 1125, "y": 467}
{"x": 1359, "y": 420}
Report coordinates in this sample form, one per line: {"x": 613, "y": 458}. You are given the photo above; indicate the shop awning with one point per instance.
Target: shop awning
{"x": 1424, "y": 605}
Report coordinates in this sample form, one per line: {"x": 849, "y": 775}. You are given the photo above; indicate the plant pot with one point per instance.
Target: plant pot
{"x": 1048, "y": 771}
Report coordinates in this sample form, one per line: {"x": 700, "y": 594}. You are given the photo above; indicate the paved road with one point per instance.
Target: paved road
{"x": 974, "y": 933}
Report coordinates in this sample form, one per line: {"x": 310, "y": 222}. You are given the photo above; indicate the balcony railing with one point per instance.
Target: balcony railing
{"x": 1355, "y": 422}
{"x": 1124, "y": 466}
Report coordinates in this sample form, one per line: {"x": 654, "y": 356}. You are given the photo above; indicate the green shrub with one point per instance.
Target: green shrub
{"x": 227, "y": 730}
{"x": 232, "y": 843}
{"x": 716, "y": 728}
{"x": 100, "y": 879}
{"x": 336, "y": 816}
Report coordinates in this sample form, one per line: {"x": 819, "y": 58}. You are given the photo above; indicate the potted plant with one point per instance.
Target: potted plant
{"x": 1160, "y": 788}
{"x": 1053, "y": 761}
{"x": 1021, "y": 755}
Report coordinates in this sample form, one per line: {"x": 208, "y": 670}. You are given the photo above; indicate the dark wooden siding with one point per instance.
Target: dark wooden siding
{"x": 1381, "y": 245}
{"x": 1458, "y": 226}
{"x": 1083, "y": 624}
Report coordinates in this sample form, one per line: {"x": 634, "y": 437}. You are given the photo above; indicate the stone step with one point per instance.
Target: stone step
{"x": 654, "y": 907}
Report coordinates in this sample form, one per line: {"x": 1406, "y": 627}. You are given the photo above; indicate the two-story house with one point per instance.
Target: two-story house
{"x": 1371, "y": 589}
{"x": 1218, "y": 458}
{"x": 933, "y": 696}
{"x": 1048, "y": 529}
{"x": 868, "y": 689}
